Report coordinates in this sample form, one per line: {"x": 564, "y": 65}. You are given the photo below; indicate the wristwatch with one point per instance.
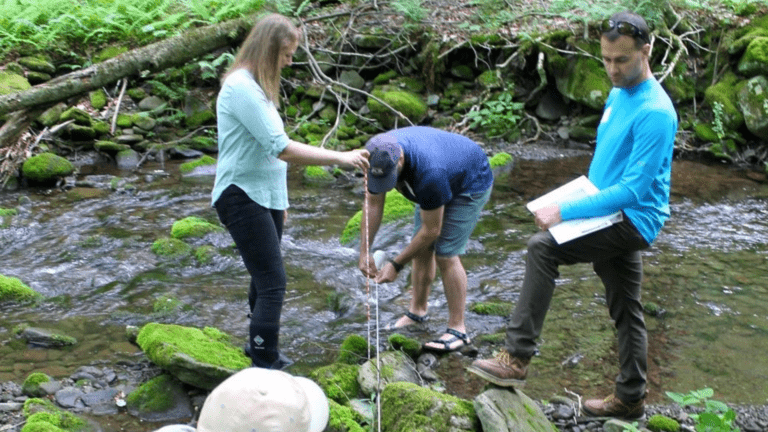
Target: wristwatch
{"x": 396, "y": 265}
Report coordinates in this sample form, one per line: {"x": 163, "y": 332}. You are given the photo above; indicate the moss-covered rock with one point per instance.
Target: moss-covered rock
{"x": 396, "y": 207}
{"x": 52, "y": 115}
{"x": 661, "y": 423}
{"x": 200, "y": 118}
{"x": 204, "y": 254}
{"x": 725, "y": 93}
{"x": 705, "y": 133}
{"x": 110, "y": 147}
{"x": 12, "y": 83}
{"x": 37, "y": 64}
{"x": 79, "y": 116}
{"x": 171, "y": 247}
{"x": 353, "y": 350}
{"x": 317, "y": 176}
{"x": 202, "y": 358}
{"x": 13, "y": 289}
{"x": 409, "y": 346}
{"x": 753, "y": 101}
{"x": 46, "y": 167}
{"x": 408, "y": 104}
{"x": 156, "y": 398}
{"x": 98, "y": 99}
{"x": 343, "y": 419}
{"x": 755, "y": 58}
{"x": 338, "y": 381}
{"x": 490, "y": 79}
{"x": 406, "y": 407}
{"x": 43, "y": 416}
{"x": 31, "y": 385}
{"x": 584, "y": 81}
{"x": 193, "y": 226}
{"x": 188, "y": 167}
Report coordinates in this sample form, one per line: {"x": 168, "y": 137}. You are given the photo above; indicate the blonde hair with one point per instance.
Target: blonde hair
{"x": 260, "y": 52}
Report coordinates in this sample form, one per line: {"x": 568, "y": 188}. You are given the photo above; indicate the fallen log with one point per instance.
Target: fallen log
{"x": 158, "y": 56}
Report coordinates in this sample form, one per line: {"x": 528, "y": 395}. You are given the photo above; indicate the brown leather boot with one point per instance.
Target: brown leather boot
{"x": 504, "y": 370}
{"x": 614, "y": 407}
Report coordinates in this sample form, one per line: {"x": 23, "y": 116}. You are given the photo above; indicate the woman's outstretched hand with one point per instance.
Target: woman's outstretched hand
{"x": 355, "y": 159}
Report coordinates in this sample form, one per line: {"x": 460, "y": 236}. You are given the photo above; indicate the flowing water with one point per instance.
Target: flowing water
{"x": 707, "y": 273}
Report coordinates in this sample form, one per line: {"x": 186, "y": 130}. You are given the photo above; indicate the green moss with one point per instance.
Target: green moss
{"x": 705, "y": 133}
{"x": 153, "y": 395}
{"x": 204, "y": 254}
{"x": 187, "y": 167}
{"x": 192, "y": 226}
{"x": 496, "y": 338}
{"x": 408, "y": 104}
{"x": 124, "y": 121}
{"x": 110, "y": 146}
{"x": 46, "y": 166}
{"x": 755, "y": 59}
{"x": 98, "y": 99}
{"x": 338, "y": 381}
{"x": 8, "y": 212}
{"x": 13, "y": 289}
{"x": 199, "y": 118}
{"x": 43, "y": 416}
{"x": 209, "y": 345}
{"x": 414, "y": 408}
{"x": 171, "y": 247}
{"x": 409, "y": 346}
{"x": 385, "y": 77}
{"x": 166, "y": 304}
{"x": 725, "y": 92}
{"x": 80, "y": 117}
{"x": 490, "y": 79}
{"x": 317, "y": 173}
{"x": 353, "y": 349}
{"x": 587, "y": 83}
{"x": 108, "y": 53}
{"x": 502, "y": 309}
{"x": 500, "y": 159}
{"x": 343, "y": 419}
{"x": 660, "y": 423}
{"x": 396, "y": 207}
{"x": 31, "y": 385}
{"x": 12, "y": 83}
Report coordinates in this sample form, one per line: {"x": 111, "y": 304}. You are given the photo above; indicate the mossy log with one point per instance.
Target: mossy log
{"x": 154, "y": 57}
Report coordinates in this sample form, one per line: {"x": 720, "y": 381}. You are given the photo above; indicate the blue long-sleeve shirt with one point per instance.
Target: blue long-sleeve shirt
{"x": 633, "y": 159}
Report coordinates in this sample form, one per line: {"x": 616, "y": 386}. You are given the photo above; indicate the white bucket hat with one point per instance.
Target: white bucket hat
{"x": 264, "y": 400}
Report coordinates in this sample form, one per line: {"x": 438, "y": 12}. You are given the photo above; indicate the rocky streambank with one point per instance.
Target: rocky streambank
{"x": 142, "y": 395}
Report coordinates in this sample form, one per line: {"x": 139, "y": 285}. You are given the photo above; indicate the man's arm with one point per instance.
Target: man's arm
{"x": 431, "y": 225}
{"x": 369, "y": 226}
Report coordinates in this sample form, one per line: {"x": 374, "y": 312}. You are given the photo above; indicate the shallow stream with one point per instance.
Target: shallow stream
{"x": 707, "y": 273}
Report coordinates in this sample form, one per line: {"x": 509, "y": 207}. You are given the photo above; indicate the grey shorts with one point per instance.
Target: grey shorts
{"x": 459, "y": 219}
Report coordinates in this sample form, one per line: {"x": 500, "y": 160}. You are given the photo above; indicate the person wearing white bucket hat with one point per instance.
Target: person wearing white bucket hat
{"x": 262, "y": 400}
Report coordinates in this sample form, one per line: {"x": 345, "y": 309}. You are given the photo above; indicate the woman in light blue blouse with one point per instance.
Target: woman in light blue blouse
{"x": 250, "y": 193}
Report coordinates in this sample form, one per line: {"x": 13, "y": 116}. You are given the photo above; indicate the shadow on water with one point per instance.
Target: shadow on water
{"x": 705, "y": 277}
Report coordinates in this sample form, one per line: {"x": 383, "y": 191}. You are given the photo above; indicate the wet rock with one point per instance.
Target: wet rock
{"x": 101, "y": 402}
{"x": 46, "y": 338}
{"x": 551, "y": 106}
{"x": 406, "y": 406}
{"x": 70, "y": 397}
{"x": 151, "y": 103}
{"x": 127, "y": 159}
{"x": 399, "y": 368}
{"x": 502, "y": 410}
{"x": 162, "y": 398}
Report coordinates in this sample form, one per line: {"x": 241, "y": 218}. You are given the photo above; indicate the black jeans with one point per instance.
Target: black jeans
{"x": 257, "y": 232}
{"x": 615, "y": 255}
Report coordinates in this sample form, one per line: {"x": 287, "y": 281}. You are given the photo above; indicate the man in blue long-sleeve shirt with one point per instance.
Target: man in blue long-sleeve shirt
{"x": 631, "y": 167}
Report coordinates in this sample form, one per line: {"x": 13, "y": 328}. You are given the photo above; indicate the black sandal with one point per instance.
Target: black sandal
{"x": 417, "y": 319}
{"x": 457, "y": 336}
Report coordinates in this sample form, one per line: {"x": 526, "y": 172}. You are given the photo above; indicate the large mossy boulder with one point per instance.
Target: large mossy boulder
{"x": 46, "y": 167}
{"x": 396, "y": 207}
{"x": 338, "y": 381}
{"x": 406, "y": 407}
{"x": 584, "y": 80}
{"x": 201, "y": 358}
{"x": 408, "y": 104}
{"x": 724, "y": 94}
{"x": 12, "y": 83}
{"x": 13, "y": 289}
{"x": 755, "y": 58}
{"x": 753, "y": 101}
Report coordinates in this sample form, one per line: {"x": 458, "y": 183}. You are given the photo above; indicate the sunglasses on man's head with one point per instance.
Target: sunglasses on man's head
{"x": 624, "y": 28}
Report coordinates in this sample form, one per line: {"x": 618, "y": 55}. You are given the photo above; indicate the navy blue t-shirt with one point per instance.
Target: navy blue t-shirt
{"x": 440, "y": 165}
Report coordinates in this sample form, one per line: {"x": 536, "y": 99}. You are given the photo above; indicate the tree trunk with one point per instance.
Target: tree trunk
{"x": 154, "y": 57}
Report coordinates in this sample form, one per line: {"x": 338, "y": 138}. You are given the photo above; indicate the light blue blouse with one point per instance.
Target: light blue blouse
{"x": 251, "y": 136}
